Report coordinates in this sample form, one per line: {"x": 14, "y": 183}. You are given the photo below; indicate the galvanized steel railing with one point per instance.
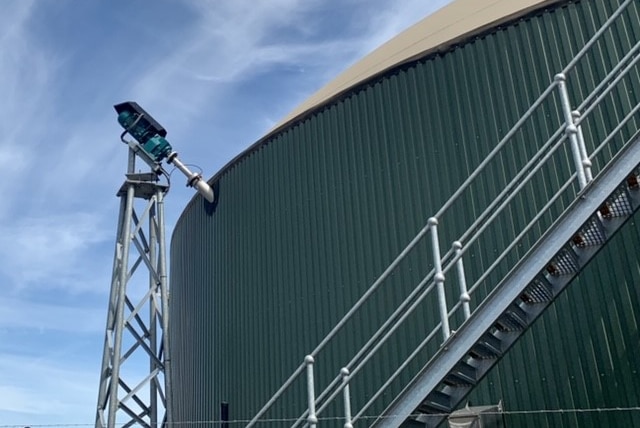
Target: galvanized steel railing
{"x": 571, "y": 131}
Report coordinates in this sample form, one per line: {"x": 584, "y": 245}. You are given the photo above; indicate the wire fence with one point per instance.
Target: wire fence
{"x": 265, "y": 422}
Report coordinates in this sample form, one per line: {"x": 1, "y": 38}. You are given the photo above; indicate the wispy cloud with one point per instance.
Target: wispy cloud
{"x": 21, "y": 67}
{"x": 47, "y": 317}
{"x": 227, "y": 43}
{"x": 390, "y": 19}
{"x": 52, "y": 251}
{"x": 218, "y": 79}
{"x": 27, "y": 384}
{"x": 230, "y": 43}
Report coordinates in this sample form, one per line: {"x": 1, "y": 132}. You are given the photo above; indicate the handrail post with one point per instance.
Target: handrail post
{"x": 586, "y": 162}
{"x": 571, "y": 129}
{"x": 439, "y": 278}
{"x": 347, "y": 398}
{"x": 312, "y": 419}
{"x": 464, "y": 293}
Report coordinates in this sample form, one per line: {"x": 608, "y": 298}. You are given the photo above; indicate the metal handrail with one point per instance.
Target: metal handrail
{"x": 594, "y": 39}
{"x": 472, "y": 289}
{"x": 545, "y": 149}
{"x": 472, "y": 234}
{"x": 633, "y": 51}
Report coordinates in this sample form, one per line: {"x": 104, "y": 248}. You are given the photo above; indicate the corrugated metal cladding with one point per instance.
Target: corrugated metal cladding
{"x": 308, "y": 219}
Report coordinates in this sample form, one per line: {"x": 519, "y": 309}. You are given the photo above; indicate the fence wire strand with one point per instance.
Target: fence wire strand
{"x": 265, "y": 422}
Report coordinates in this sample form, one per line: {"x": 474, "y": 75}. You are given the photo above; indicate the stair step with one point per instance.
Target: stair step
{"x": 564, "y": 263}
{"x": 513, "y": 319}
{"x": 463, "y": 374}
{"x": 522, "y": 295}
{"x": 616, "y": 206}
{"x": 436, "y": 402}
{"x": 539, "y": 291}
{"x": 488, "y": 347}
{"x": 591, "y": 234}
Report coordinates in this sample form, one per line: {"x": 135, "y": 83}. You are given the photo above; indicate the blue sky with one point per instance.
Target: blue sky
{"x": 217, "y": 74}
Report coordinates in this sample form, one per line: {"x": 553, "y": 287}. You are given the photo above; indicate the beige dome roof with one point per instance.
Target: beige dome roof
{"x": 454, "y": 22}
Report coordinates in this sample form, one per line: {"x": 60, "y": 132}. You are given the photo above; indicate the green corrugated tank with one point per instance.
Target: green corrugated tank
{"x": 309, "y": 217}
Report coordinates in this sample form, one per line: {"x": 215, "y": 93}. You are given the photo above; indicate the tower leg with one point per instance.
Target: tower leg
{"x": 134, "y": 375}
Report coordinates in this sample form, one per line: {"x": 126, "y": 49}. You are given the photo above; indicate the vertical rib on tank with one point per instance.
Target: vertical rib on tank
{"x": 311, "y": 215}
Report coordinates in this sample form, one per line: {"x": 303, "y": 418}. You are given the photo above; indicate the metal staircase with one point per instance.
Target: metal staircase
{"x": 593, "y": 193}
{"x": 469, "y": 353}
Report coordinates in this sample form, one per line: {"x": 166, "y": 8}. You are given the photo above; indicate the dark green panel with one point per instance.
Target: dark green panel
{"x": 309, "y": 218}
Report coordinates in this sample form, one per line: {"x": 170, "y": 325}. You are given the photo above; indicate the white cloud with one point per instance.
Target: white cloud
{"x": 26, "y": 74}
{"x": 223, "y": 46}
{"x": 31, "y": 386}
{"x": 13, "y": 160}
{"x": 86, "y": 169}
{"x": 236, "y": 38}
{"x": 43, "y": 317}
{"x": 16, "y": 399}
{"x": 56, "y": 230}
{"x": 393, "y": 17}
{"x": 52, "y": 251}
{"x": 25, "y": 71}
{"x": 229, "y": 43}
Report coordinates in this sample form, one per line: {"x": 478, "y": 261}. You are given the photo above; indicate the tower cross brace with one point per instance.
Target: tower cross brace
{"x": 136, "y": 335}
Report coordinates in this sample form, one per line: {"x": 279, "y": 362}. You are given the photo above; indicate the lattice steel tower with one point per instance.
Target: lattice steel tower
{"x": 134, "y": 378}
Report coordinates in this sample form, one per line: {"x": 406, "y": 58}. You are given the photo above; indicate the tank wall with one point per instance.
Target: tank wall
{"x": 308, "y": 220}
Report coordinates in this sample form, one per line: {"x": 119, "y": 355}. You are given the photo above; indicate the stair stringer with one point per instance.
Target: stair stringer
{"x": 507, "y": 293}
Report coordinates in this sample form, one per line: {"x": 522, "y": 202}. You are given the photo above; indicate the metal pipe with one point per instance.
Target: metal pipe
{"x": 597, "y": 150}
{"x": 397, "y": 372}
{"x": 342, "y": 322}
{"x": 406, "y": 250}
{"x": 402, "y": 309}
{"x": 153, "y": 311}
{"x": 344, "y": 372}
{"x": 388, "y": 334}
{"x": 614, "y": 72}
{"x": 571, "y": 129}
{"x": 312, "y": 419}
{"x": 131, "y": 161}
{"x": 524, "y": 231}
{"x": 543, "y": 150}
{"x": 103, "y": 394}
{"x": 400, "y": 257}
{"x": 419, "y": 236}
{"x": 464, "y": 294}
{"x": 548, "y": 153}
{"x": 439, "y": 278}
{"x": 194, "y": 180}
{"x": 473, "y": 237}
{"x": 496, "y": 149}
{"x": 586, "y": 163}
{"x": 596, "y": 36}
{"x": 119, "y": 318}
{"x": 277, "y": 395}
{"x": 615, "y": 130}
{"x": 621, "y": 75}
{"x": 165, "y": 319}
